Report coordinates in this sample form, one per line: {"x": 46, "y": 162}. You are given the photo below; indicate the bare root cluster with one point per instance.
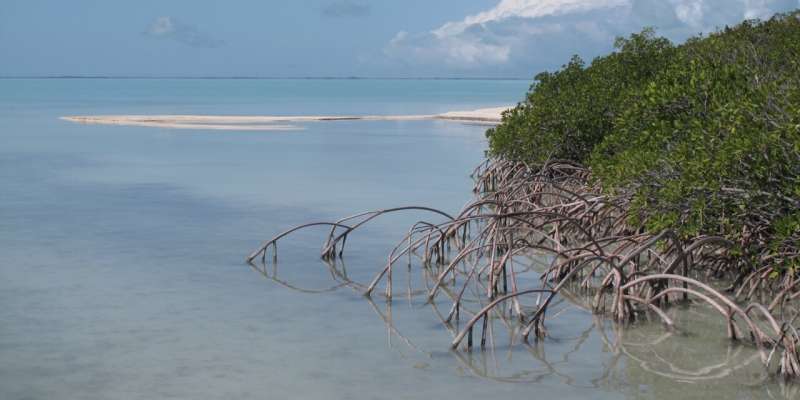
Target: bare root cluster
{"x": 475, "y": 259}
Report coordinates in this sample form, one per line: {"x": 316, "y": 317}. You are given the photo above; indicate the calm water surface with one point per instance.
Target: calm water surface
{"x": 122, "y": 273}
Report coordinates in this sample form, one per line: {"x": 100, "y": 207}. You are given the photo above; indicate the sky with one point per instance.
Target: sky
{"x": 339, "y": 38}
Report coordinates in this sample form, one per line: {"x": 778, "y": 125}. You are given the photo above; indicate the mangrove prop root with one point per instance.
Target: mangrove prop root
{"x": 553, "y": 212}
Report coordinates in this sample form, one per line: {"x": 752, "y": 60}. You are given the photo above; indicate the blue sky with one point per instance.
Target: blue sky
{"x": 404, "y": 38}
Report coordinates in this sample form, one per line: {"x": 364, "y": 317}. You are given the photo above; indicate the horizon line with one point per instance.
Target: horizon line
{"x": 245, "y": 77}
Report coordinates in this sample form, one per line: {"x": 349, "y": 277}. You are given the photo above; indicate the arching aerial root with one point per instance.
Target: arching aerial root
{"x": 552, "y": 212}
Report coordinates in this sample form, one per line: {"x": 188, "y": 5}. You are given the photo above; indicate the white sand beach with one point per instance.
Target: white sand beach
{"x": 489, "y": 116}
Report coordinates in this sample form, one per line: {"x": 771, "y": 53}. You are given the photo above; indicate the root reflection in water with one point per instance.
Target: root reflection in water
{"x": 586, "y": 350}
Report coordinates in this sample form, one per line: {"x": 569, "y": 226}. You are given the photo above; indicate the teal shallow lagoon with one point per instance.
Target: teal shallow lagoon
{"x": 123, "y": 277}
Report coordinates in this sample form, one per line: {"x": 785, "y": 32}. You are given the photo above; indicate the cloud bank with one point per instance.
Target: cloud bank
{"x": 170, "y": 28}
{"x": 521, "y": 37}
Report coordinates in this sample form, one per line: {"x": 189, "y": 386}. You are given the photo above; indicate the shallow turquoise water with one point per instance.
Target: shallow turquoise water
{"x": 122, "y": 273}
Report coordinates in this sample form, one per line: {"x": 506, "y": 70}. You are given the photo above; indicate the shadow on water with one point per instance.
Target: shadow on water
{"x": 642, "y": 357}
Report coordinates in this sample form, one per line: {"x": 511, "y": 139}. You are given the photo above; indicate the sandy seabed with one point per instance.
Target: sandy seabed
{"x": 489, "y": 116}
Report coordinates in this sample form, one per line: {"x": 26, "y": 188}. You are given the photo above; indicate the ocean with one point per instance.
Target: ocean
{"x": 122, "y": 272}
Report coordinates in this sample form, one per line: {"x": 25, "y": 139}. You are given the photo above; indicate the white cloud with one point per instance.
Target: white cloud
{"x": 170, "y": 28}
{"x": 762, "y": 9}
{"x": 527, "y": 9}
{"x": 161, "y": 26}
{"x": 690, "y": 12}
{"x": 524, "y": 36}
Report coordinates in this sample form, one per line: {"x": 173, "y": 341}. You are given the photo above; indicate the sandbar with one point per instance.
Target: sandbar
{"x": 489, "y": 116}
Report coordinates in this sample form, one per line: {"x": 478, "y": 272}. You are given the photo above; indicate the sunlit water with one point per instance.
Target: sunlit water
{"x": 122, "y": 248}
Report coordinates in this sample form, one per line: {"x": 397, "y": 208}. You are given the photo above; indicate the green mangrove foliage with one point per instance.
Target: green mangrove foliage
{"x": 701, "y": 138}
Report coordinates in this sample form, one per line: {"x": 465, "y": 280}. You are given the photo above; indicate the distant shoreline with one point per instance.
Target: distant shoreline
{"x": 321, "y": 78}
{"x": 488, "y": 116}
